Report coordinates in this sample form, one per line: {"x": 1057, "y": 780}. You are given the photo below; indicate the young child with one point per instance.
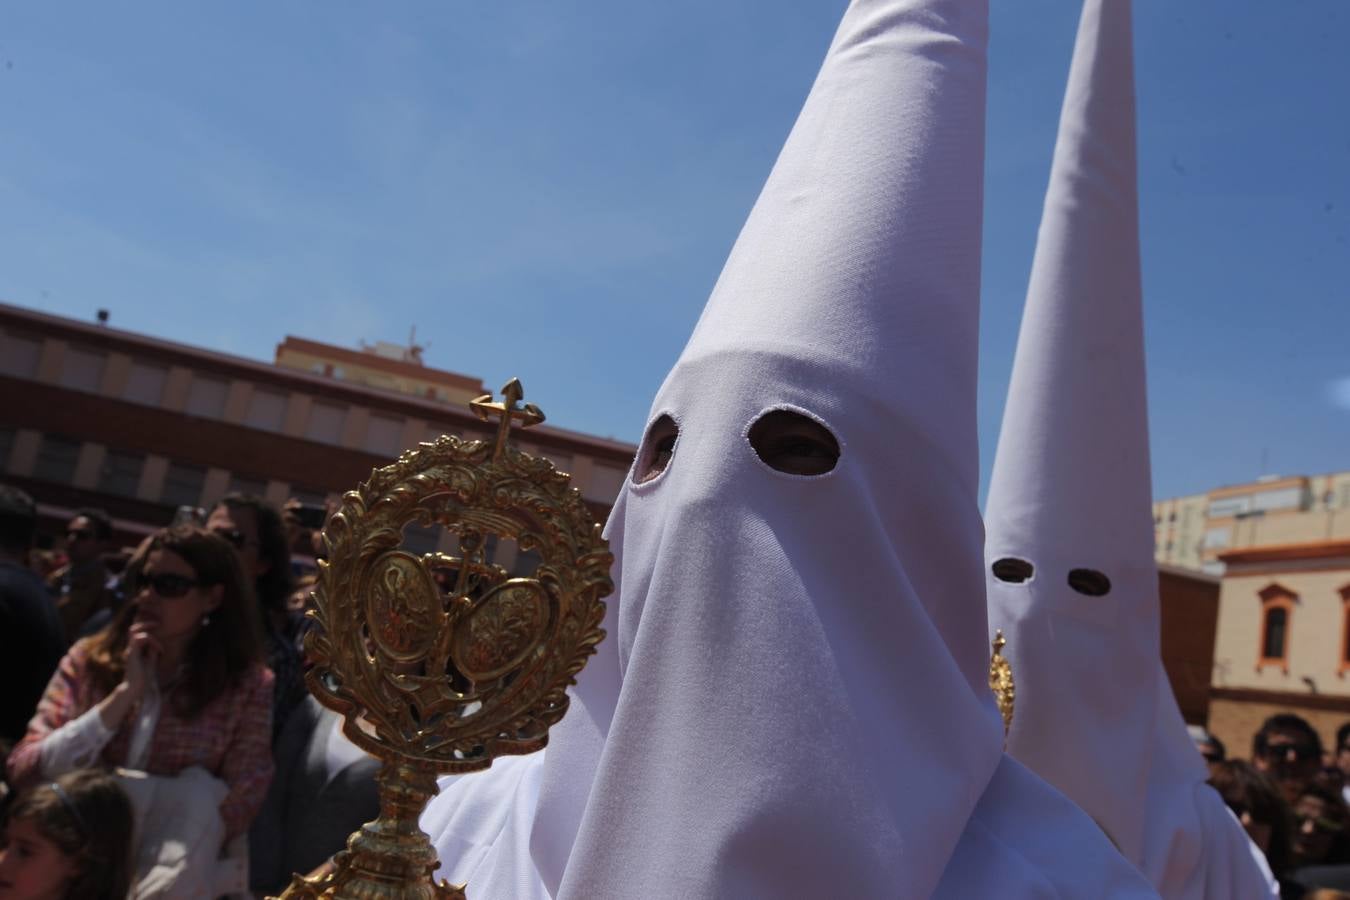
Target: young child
{"x": 68, "y": 839}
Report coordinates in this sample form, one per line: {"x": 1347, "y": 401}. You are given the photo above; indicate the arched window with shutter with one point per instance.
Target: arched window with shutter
{"x": 1277, "y": 615}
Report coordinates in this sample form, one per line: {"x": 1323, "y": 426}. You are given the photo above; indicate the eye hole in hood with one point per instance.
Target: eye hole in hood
{"x": 796, "y": 444}
{"x": 658, "y": 449}
{"x": 1013, "y": 570}
{"x": 1089, "y": 582}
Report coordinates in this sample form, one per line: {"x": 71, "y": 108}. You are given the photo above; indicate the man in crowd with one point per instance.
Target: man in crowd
{"x": 1289, "y": 750}
{"x": 256, "y": 530}
{"x": 1211, "y": 748}
{"x": 31, "y": 640}
{"x": 1343, "y": 759}
{"x": 81, "y": 586}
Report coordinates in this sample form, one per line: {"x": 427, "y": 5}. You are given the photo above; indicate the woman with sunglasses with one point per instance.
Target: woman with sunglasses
{"x": 175, "y": 680}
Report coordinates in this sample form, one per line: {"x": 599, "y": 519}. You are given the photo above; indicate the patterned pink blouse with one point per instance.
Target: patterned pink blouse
{"x": 230, "y": 737}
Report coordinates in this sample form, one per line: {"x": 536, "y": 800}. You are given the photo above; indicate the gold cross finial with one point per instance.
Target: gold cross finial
{"x": 508, "y": 411}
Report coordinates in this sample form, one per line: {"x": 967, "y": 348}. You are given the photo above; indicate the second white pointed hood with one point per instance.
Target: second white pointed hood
{"x": 1069, "y": 551}
{"x": 1070, "y": 493}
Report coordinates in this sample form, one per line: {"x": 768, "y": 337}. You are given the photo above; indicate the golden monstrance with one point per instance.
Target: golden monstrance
{"x": 442, "y": 675}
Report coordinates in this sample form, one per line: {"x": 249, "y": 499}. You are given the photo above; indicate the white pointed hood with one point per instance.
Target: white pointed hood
{"x": 791, "y": 700}
{"x": 1071, "y": 495}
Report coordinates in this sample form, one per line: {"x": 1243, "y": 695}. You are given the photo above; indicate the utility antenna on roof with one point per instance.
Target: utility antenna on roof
{"x": 415, "y": 349}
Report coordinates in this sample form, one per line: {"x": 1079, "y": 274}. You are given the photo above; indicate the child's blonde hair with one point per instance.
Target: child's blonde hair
{"x": 87, "y": 815}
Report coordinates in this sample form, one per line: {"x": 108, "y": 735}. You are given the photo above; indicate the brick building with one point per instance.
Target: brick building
{"x": 95, "y": 416}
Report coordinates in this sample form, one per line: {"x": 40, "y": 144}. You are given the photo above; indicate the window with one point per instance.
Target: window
{"x": 56, "y": 459}
{"x": 1277, "y": 612}
{"x": 1284, "y": 498}
{"x": 1229, "y": 507}
{"x": 309, "y": 496}
{"x": 266, "y": 410}
{"x": 121, "y": 474}
{"x": 183, "y": 485}
{"x": 206, "y": 397}
{"x": 19, "y": 355}
{"x": 605, "y": 483}
{"x": 1273, "y": 633}
{"x": 1216, "y": 537}
{"x": 82, "y": 370}
{"x": 419, "y": 540}
{"x": 325, "y": 422}
{"x": 526, "y": 564}
{"x": 145, "y": 384}
{"x": 384, "y": 436}
{"x": 243, "y": 484}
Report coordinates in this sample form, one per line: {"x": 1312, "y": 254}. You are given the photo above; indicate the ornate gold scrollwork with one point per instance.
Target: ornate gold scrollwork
{"x": 442, "y": 676}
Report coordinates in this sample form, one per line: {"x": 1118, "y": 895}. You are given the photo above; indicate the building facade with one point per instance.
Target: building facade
{"x": 94, "y": 416}
{"x": 1283, "y": 637}
{"x": 1200, "y": 530}
{"x": 1279, "y": 551}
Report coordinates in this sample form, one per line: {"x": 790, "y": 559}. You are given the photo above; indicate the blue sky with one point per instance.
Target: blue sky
{"x": 548, "y": 188}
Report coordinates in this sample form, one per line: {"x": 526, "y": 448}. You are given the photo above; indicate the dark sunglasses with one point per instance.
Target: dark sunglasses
{"x": 78, "y": 535}
{"x": 237, "y": 538}
{"x": 1302, "y": 752}
{"x": 164, "y": 584}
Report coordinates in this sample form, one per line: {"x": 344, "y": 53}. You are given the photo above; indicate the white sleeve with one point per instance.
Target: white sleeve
{"x": 75, "y": 745}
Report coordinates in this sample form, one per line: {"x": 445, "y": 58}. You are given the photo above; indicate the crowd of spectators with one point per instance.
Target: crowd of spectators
{"x": 1293, "y": 799}
{"x": 155, "y": 731}
{"x": 155, "y": 699}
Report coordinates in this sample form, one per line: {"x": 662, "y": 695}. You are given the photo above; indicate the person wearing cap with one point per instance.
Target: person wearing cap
{"x": 1072, "y": 581}
{"x": 792, "y": 700}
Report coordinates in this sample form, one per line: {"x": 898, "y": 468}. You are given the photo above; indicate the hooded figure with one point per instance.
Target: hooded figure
{"x": 792, "y": 699}
{"x": 1072, "y": 579}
